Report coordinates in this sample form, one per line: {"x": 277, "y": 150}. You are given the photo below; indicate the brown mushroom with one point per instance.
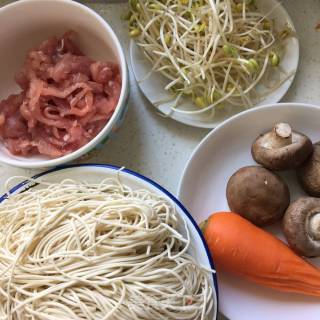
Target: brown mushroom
{"x": 309, "y": 173}
{"x": 301, "y": 226}
{"x": 281, "y": 148}
{"x": 258, "y": 195}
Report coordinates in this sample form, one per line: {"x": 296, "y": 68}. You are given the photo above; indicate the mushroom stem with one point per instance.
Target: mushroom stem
{"x": 301, "y": 226}
{"x": 281, "y": 148}
{"x": 314, "y": 226}
{"x": 282, "y": 134}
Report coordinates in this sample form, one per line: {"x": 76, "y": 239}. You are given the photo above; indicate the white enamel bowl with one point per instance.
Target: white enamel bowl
{"x": 25, "y": 24}
{"x": 96, "y": 173}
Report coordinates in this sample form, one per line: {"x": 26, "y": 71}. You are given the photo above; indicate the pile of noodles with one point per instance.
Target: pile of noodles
{"x": 97, "y": 251}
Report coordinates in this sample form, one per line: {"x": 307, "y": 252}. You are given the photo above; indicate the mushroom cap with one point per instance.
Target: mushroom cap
{"x": 258, "y": 195}
{"x": 281, "y": 148}
{"x": 309, "y": 174}
{"x": 301, "y": 226}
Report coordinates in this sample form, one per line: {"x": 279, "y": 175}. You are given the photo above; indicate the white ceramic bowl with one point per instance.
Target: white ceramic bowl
{"x": 25, "y": 24}
{"x": 94, "y": 173}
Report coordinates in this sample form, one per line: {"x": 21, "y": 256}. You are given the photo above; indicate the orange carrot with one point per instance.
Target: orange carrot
{"x": 241, "y": 248}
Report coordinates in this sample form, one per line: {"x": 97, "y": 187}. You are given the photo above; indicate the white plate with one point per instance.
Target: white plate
{"x": 153, "y": 87}
{"x": 95, "y": 173}
{"x": 202, "y": 190}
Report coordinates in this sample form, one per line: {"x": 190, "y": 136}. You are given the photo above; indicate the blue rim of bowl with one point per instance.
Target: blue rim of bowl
{"x": 142, "y": 177}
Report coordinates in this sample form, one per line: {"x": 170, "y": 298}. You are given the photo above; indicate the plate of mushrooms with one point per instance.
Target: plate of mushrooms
{"x": 264, "y": 165}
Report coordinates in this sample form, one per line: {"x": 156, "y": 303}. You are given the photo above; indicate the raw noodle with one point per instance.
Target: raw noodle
{"x": 97, "y": 251}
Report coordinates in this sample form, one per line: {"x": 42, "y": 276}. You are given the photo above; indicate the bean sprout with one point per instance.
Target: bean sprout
{"x": 214, "y": 52}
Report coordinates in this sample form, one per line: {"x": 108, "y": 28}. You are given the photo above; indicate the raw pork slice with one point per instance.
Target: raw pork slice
{"x": 66, "y": 100}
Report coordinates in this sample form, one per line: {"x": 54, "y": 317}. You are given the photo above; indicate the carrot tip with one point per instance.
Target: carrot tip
{"x": 203, "y": 225}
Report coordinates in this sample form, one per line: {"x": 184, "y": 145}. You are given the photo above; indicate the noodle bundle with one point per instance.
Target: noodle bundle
{"x": 97, "y": 251}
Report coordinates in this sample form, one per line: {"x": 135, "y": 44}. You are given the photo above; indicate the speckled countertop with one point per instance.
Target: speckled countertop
{"x": 159, "y": 148}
